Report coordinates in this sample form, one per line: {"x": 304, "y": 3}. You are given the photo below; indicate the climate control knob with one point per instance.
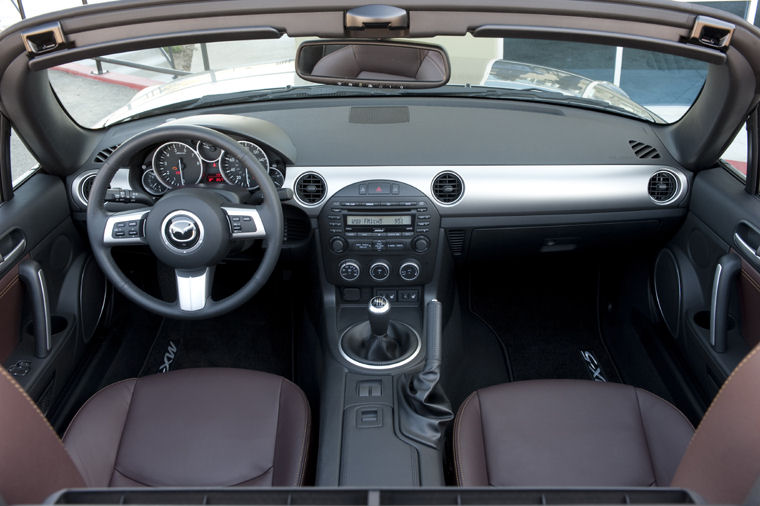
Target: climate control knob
{"x": 338, "y": 244}
{"x": 380, "y": 270}
{"x": 421, "y": 244}
{"x": 349, "y": 270}
{"x": 409, "y": 270}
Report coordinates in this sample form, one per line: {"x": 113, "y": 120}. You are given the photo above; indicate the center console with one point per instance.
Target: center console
{"x": 380, "y": 253}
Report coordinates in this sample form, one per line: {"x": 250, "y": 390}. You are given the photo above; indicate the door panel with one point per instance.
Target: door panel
{"x": 709, "y": 297}
{"x": 53, "y": 250}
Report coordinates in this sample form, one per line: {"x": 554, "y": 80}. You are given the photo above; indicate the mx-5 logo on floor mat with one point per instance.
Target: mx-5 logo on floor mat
{"x": 171, "y": 352}
{"x": 593, "y": 367}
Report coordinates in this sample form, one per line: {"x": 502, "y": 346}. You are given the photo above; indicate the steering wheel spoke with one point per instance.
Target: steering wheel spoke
{"x": 193, "y": 288}
{"x": 125, "y": 228}
{"x": 245, "y": 222}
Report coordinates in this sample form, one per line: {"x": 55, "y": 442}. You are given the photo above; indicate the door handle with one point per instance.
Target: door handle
{"x": 12, "y": 247}
{"x": 726, "y": 271}
{"x": 747, "y": 242}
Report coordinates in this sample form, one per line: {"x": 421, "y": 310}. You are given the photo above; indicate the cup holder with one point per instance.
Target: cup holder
{"x": 58, "y": 324}
{"x": 702, "y": 320}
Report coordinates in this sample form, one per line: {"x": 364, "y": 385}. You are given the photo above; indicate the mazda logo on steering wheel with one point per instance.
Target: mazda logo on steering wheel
{"x": 182, "y": 231}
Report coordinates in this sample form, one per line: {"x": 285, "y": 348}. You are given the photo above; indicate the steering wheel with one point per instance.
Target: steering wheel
{"x": 189, "y": 229}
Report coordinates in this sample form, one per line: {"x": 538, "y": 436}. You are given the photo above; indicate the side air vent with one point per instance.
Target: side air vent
{"x": 103, "y": 155}
{"x": 82, "y": 186}
{"x": 447, "y": 188}
{"x": 663, "y": 187}
{"x": 644, "y": 151}
{"x": 456, "y": 242}
{"x": 311, "y": 188}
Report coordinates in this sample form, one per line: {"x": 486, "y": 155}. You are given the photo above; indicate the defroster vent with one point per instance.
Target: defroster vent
{"x": 311, "y": 188}
{"x": 644, "y": 151}
{"x": 447, "y": 187}
{"x": 663, "y": 187}
{"x": 103, "y": 154}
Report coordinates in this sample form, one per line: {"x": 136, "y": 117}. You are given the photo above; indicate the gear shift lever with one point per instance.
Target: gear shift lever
{"x": 379, "y": 315}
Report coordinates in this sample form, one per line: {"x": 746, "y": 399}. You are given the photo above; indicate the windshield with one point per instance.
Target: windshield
{"x": 148, "y": 82}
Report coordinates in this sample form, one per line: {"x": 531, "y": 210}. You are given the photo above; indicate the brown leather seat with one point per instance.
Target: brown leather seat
{"x": 581, "y": 433}
{"x": 194, "y": 427}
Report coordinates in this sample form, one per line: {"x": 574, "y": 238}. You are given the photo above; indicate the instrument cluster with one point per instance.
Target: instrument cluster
{"x": 186, "y": 162}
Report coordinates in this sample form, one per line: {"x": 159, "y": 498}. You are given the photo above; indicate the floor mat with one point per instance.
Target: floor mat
{"x": 544, "y": 313}
{"x": 257, "y": 336}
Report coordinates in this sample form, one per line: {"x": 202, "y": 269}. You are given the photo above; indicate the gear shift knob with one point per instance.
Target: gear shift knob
{"x": 379, "y": 315}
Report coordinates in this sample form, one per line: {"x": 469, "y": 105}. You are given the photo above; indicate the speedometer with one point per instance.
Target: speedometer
{"x": 177, "y": 164}
{"x": 236, "y": 174}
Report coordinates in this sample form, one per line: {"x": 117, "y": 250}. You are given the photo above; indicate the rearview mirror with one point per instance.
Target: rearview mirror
{"x": 375, "y": 64}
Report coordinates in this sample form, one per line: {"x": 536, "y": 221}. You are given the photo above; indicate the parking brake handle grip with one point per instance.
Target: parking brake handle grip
{"x": 33, "y": 277}
{"x": 726, "y": 271}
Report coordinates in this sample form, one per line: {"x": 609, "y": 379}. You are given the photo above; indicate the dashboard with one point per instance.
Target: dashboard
{"x": 492, "y": 176}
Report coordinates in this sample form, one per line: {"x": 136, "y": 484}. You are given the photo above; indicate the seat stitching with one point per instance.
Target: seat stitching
{"x": 121, "y": 436}
{"x": 30, "y": 401}
{"x": 483, "y": 438}
{"x": 646, "y": 437}
{"x": 10, "y": 285}
{"x": 307, "y": 431}
{"x": 675, "y": 409}
{"x": 725, "y": 384}
{"x": 87, "y": 402}
{"x": 277, "y": 426}
{"x": 457, "y": 432}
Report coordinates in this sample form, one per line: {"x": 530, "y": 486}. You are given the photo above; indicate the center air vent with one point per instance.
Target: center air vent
{"x": 311, "y": 188}
{"x": 447, "y": 187}
{"x": 663, "y": 187}
{"x": 103, "y": 155}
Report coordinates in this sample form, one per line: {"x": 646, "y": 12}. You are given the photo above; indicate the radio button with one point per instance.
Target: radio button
{"x": 338, "y": 245}
{"x": 379, "y": 245}
{"x": 420, "y": 244}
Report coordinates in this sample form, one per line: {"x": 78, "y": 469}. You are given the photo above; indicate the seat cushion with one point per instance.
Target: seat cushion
{"x": 193, "y": 427}
{"x": 568, "y": 433}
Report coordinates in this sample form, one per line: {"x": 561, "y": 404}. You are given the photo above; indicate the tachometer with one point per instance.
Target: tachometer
{"x": 151, "y": 183}
{"x": 177, "y": 164}
{"x": 233, "y": 171}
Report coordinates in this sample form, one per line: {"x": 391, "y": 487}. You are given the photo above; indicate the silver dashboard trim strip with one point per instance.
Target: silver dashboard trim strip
{"x": 514, "y": 189}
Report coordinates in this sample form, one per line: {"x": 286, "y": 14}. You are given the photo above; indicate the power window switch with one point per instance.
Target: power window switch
{"x": 409, "y": 295}
{"x": 388, "y": 294}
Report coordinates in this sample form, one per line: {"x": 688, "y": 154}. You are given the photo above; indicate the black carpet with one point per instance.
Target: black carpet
{"x": 544, "y": 312}
{"x": 257, "y": 336}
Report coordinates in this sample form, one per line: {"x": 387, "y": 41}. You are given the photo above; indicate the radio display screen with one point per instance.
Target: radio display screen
{"x": 369, "y": 220}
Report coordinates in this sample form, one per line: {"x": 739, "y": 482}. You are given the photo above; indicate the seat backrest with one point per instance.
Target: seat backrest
{"x": 33, "y": 461}
{"x": 722, "y": 461}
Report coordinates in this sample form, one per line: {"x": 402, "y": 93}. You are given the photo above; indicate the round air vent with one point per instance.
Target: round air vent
{"x": 663, "y": 187}
{"x": 82, "y": 186}
{"x": 311, "y": 188}
{"x": 448, "y": 188}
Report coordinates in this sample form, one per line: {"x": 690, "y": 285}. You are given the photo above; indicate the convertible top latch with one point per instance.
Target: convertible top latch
{"x": 376, "y": 21}
{"x": 44, "y": 39}
{"x": 712, "y": 33}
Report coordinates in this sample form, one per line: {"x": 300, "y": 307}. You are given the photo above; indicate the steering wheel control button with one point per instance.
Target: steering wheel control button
{"x": 409, "y": 271}
{"x": 379, "y": 271}
{"x": 244, "y": 223}
{"x": 349, "y": 270}
{"x": 182, "y": 232}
